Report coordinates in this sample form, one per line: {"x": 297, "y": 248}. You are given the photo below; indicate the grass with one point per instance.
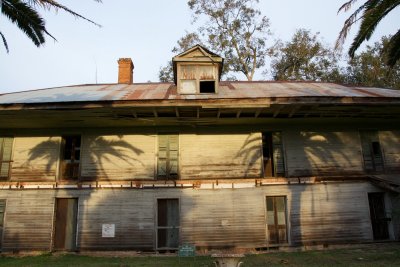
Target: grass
{"x": 371, "y": 255}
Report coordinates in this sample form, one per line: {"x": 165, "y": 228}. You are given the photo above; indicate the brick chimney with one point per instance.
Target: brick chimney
{"x": 125, "y": 70}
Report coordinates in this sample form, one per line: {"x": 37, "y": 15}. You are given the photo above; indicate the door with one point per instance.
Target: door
{"x": 276, "y": 220}
{"x": 2, "y": 211}
{"x": 378, "y": 215}
{"x": 167, "y": 224}
{"x": 65, "y": 223}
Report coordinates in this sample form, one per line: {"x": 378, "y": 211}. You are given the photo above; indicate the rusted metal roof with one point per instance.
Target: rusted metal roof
{"x": 167, "y": 91}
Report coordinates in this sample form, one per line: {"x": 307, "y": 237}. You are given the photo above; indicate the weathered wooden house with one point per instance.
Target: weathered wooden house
{"x": 215, "y": 164}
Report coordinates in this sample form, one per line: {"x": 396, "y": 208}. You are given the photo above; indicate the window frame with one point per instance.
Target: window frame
{"x": 196, "y": 77}
{"x": 72, "y": 161}
{"x": 168, "y": 175}
{"x": 10, "y": 161}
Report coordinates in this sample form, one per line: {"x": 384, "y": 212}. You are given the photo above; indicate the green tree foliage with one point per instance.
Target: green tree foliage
{"x": 372, "y": 12}
{"x": 236, "y": 30}
{"x": 368, "y": 68}
{"x": 25, "y": 15}
{"x": 166, "y": 73}
{"x": 304, "y": 58}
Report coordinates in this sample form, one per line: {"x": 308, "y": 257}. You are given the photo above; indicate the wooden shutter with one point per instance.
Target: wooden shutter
{"x": 168, "y": 156}
{"x": 6, "y": 144}
{"x": 278, "y": 155}
{"x": 371, "y": 151}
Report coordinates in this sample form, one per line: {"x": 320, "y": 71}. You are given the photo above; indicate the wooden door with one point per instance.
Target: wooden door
{"x": 276, "y": 220}
{"x": 65, "y": 224}
{"x": 2, "y": 211}
{"x": 167, "y": 224}
{"x": 378, "y": 216}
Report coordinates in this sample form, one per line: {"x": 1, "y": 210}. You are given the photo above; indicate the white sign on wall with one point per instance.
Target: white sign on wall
{"x": 108, "y": 230}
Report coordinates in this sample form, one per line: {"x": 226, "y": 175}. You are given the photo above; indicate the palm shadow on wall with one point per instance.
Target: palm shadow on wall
{"x": 111, "y": 152}
{"x": 251, "y": 153}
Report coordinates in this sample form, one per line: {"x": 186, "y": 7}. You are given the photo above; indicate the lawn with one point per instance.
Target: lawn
{"x": 366, "y": 255}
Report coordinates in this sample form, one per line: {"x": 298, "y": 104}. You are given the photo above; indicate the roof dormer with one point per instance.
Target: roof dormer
{"x": 197, "y": 71}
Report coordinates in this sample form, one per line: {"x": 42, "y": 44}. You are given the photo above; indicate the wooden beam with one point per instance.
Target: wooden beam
{"x": 238, "y": 113}
{"x": 276, "y": 113}
{"x": 219, "y": 113}
{"x": 177, "y": 112}
{"x": 198, "y": 112}
{"x": 293, "y": 111}
{"x": 155, "y": 113}
{"x": 258, "y": 112}
{"x": 134, "y": 114}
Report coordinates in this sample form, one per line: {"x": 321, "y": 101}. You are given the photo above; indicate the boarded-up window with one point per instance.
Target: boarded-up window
{"x": 197, "y": 79}
{"x": 273, "y": 156}
{"x": 6, "y": 144}
{"x": 371, "y": 150}
{"x": 70, "y": 157}
{"x": 168, "y": 155}
{"x": 2, "y": 211}
{"x": 276, "y": 220}
{"x": 167, "y": 224}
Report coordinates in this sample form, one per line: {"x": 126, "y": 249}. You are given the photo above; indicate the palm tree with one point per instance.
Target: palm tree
{"x": 25, "y": 15}
{"x": 373, "y": 11}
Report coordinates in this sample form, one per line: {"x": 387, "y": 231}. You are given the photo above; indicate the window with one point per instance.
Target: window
{"x": 70, "y": 153}
{"x": 197, "y": 79}
{"x": 167, "y": 164}
{"x": 6, "y": 144}
{"x": 2, "y": 211}
{"x": 273, "y": 156}
{"x": 371, "y": 151}
{"x": 276, "y": 220}
{"x": 207, "y": 87}
{"x": 167, "y": 224}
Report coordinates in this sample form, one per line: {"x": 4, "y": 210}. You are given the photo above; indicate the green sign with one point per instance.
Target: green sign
{"x": 187, "y": 250}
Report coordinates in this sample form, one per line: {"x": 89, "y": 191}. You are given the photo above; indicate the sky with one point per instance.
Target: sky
{"x": 145, "y": 31}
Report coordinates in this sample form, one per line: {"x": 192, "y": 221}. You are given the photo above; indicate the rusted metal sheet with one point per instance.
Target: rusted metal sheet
{"x": 159, "y": 91}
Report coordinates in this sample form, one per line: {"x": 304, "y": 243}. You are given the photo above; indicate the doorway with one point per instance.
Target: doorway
{"x": 168, "y": 224}
{"x": 65, "y": 224}
{"x": 2, "y": 212}
{"x": 379, "y": 220}
{"x": 276, "y": 220}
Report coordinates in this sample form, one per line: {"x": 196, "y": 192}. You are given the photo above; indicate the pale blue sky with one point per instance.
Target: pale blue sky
{"x": 146, "y": 31}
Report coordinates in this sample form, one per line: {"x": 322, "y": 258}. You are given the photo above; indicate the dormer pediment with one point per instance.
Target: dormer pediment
{"x": 197, "y": 71}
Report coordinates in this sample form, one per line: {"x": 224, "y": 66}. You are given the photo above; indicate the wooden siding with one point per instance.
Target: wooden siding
{"x": 317, "y": 214}
{"x": 206, "y": 156}
{"x": 323, "y": 153}
{"x": 35, "y": 158}
{"x": 118, "y": 157}
{"x": 390, "y": 142}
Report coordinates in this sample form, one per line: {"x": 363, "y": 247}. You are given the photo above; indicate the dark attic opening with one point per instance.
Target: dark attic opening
{"x": 207, "y": 87}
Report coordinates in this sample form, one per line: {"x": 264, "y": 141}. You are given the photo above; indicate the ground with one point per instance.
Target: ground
{"x": 378, "y": 254}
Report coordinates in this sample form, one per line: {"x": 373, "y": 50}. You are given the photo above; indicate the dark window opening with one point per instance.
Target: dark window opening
{"x": 372, "y": 153}
{"x": 273, "y": 156}
{"x": 207, "y": 86}
{"x": 71, "y": 154}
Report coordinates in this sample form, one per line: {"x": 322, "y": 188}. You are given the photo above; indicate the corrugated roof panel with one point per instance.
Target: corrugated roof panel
{"x": 159, "y": 91}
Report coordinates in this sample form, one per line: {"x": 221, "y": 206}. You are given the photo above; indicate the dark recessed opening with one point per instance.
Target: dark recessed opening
{"x": 207, "y": 86}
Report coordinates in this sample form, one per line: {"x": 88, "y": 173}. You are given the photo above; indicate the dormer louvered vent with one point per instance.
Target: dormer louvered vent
{"x": 197, "y": 71}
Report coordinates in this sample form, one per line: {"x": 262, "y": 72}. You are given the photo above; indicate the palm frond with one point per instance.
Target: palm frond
{"x": 54, "y": 4}
{"x": 346, "y": 6}
{"x": 393, "y": 53}
{"x": 4, "y": 41}
{"x": 375, "y": 11}
{"x": 27, "y": 19}
{"x": 353, "y": 18}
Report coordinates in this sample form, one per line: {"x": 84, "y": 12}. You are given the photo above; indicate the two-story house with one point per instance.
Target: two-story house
{"x": 151, "y": 166}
